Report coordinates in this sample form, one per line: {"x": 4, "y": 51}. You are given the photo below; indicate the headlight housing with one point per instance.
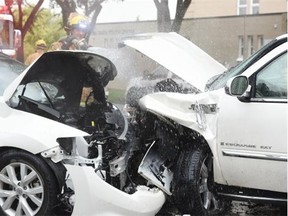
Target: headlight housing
{"x": 66, "y": 144}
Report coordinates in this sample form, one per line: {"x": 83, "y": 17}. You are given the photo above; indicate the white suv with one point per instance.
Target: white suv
{"x": 228, "y": 142}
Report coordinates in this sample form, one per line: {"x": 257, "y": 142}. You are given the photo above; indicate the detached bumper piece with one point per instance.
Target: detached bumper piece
{"x": 93, "y": 196}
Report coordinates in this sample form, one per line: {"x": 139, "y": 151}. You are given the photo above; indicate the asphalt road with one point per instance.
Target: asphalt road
{"x": 238, "y": 208}
{"x": 252, "y": 209}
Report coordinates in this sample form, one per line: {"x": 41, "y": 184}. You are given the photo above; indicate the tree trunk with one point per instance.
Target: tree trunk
{"x": 67, "y": 6}
{"x": 95, "y": 8}
{"x": 24, "y": 28}
{"x": 31, "y": 17}
{"x": 163, "y": 15}
{"x": 182, "y": 6}
{"x": 20, "y": 51}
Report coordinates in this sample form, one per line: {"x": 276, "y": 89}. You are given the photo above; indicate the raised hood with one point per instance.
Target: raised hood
{"x": 178, "y": 55}
{"x": 70, "y": 69}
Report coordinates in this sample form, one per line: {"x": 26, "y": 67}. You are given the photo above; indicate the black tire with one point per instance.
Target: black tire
{"x": 28, "y": 183}
{"x": 192, "y": 187}
{"x": 134, "y": 94}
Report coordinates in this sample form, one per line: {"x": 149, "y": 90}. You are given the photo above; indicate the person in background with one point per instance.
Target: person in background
{"x": 40, "y": 46}
{"x": 78, "y": 26}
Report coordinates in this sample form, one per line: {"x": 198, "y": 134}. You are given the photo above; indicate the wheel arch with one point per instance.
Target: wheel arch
{"x": 200, "y": 140}
{"x": 194, "y": 139}
{"x": 58, "y": 169}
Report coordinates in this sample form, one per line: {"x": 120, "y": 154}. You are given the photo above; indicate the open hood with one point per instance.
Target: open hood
{"x": 178, "y": 55}
{"x": 71, "y": 70}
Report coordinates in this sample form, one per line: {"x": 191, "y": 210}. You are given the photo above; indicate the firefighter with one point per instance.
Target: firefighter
{"x": 78, "y": 26}
{"x": 40, "y": 48}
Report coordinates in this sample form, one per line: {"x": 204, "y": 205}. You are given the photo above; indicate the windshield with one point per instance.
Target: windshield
{"x": 9, "y": 70}
{"x": 221, "y": 80}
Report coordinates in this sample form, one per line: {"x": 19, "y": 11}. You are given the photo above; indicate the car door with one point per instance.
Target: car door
{"x": 252, "y": 131}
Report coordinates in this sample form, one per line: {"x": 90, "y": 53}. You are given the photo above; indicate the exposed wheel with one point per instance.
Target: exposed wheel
{"x": 27, "y": 185}
{"x": 134, "y": 94}
{"x": 192, "y": 184}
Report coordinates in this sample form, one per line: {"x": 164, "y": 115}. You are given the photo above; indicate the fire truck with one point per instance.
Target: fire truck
{"x": 10, "y": 38}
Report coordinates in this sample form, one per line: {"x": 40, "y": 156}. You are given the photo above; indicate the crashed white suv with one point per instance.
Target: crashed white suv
{"x": 229, "y": 142}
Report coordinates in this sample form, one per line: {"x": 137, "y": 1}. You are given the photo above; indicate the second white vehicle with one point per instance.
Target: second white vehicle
{"x": 229, "y": 142}
{"x": 63, "y": 147}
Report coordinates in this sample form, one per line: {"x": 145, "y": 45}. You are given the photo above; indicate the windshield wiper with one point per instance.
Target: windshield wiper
{"x": 215, "y": 80}
{"x": 49, "y": 100}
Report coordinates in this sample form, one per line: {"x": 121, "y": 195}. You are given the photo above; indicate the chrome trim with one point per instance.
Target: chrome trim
{"x": 271, "y": 100}
{"x": 254, "y": 197}
{"x": 255, "y": 155}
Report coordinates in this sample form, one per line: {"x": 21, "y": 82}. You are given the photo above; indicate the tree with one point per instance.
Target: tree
{"x": 40, "y": 30}
{"x": 92, "y": 8}
{"x": 19, "y": 22}
{"x": 163, "y": 15}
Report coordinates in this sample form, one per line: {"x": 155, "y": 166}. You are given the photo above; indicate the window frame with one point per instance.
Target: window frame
{"x": 250, "y": 45}
{"x": 241, "y": 6}
{"x": 260, "y": 41}
{"x": 254, "y": 5}
{"x": 240, "y": 47}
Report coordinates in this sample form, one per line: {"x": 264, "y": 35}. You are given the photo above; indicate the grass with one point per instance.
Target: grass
{"x": 116, "y": 96}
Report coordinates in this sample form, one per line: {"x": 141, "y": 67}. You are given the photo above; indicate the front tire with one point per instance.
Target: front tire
{"x": 27, "y": 185}
{"x": 193, "y": 180}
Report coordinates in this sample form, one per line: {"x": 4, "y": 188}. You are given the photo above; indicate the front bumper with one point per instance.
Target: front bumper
{"x": 93, "y": 196}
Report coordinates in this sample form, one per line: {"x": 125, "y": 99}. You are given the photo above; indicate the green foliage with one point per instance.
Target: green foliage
{"x": 46, "y": 26}
{"x": 116, "y": 96}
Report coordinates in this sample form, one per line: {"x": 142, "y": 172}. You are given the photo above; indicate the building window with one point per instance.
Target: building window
{"x": 250, "y": 45}
{"x": 106, "y": 45}
{"x": 254, "y": 7}
{"x": 242, "y": 7}
{"x": 113, "y": 43}
{"x": 241, "y": 48}
{"x": 260, "y": 41}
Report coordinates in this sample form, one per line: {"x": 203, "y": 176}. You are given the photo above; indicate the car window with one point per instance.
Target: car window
{"x": 221, "y": 80}
{"x": 9, "y": 70}
{"x": 271, "y": 81}
{"x": 45, "y": 93}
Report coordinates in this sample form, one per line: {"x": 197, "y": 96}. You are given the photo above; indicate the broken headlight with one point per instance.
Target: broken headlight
{"x": 66, "y": 144}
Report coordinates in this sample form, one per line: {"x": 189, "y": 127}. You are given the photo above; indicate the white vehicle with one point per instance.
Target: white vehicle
{"x": 48, "y": 167}
{"x": 65, "y": 150}
{"x": 229, "y": 142}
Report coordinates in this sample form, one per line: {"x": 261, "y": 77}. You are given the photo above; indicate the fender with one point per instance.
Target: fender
{"x": 199, "y": 112}
{"x": 31, "y": 132}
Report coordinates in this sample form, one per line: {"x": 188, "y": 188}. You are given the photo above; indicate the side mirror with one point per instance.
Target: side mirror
{"x": 237, "y": 86}
{"x": 17, "y": 38}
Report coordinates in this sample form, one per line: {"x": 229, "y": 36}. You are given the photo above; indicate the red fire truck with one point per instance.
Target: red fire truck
{"x": 10, "y": 38}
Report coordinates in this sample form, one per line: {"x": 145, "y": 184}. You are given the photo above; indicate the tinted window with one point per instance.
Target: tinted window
{"x": 271, "y": 81}
{"x": 221, "y": 80}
